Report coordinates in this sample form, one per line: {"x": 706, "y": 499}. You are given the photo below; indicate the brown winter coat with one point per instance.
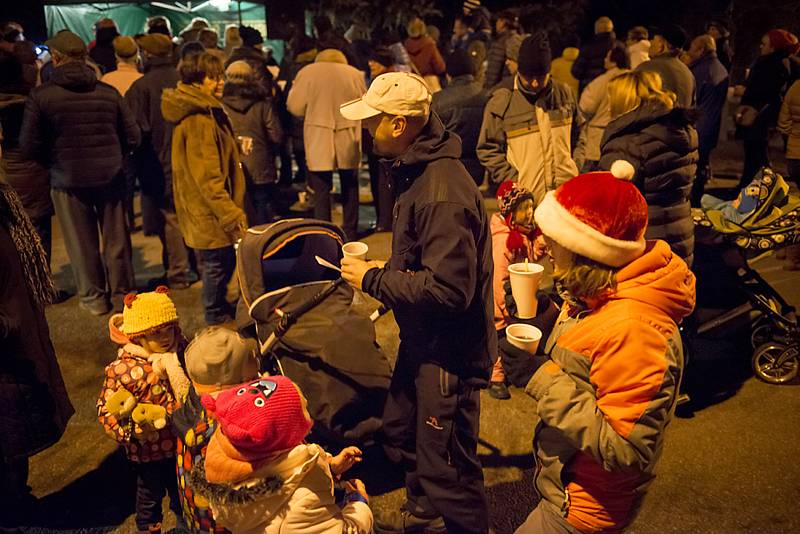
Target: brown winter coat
{"x": 207, "y": 178}
{"x": 34, "y": 406}
{"x": 425, "y": 55}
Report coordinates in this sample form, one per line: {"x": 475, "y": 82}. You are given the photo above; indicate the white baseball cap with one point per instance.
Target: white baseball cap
{"x": 396, "y": 93}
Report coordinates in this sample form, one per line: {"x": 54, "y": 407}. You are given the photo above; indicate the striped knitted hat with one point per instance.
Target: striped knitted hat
{"x": 509, "y": 196}
{"x": 146, "y": 312}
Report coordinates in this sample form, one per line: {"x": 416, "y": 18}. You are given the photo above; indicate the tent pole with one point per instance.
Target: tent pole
{"x": 240, "y": 12}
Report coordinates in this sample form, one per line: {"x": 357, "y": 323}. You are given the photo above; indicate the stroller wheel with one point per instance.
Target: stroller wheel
{"x": 776, "y": 363}
{"x": 762, "y": 333}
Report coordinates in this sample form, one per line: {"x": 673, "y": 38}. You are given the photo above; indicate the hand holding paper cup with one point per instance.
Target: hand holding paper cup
{"x": 524, "y": 337}
{"x": 525, "y": 279}
{"x": 356, "y": 250}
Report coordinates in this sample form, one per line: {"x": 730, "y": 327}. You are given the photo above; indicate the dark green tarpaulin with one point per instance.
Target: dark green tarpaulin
{"x": 130, "y": 18}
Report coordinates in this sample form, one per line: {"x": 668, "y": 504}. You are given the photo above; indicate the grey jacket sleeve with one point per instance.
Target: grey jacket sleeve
{"x": 620, "y": 423}
{"x": 492, "y": 143}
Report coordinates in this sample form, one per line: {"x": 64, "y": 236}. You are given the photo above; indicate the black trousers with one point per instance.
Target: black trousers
{"x": 756, "y": 152}
{"x": 153, "y": 481}
{"x": 15, "y": 494}
{"x": 431, "y": 422}
{"x": 321, "y": 182}
{"x": 701, "y": 177}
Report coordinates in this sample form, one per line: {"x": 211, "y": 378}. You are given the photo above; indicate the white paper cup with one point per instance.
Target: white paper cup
{"x": 356, "y": 249}
{"x": 525, "y": 279}
{"x": 524, "y": 337}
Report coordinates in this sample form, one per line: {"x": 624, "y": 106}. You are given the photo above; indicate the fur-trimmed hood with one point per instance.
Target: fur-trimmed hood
{"x": 268, "y": 498}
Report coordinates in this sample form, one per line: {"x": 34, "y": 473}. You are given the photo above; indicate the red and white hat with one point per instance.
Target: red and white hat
{"x": 599, "y": 215}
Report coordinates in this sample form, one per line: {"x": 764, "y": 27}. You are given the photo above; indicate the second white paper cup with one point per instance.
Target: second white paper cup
{"x": 524, "y": 337}
{"x": 525, "y": 279}
{"x": 356, "y": 249}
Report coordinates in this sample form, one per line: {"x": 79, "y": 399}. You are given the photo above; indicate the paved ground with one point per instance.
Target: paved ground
{"x": 730, "y": 462}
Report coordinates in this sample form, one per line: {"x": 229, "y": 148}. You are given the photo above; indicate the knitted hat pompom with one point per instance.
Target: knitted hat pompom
{"x": 623, "y": 170}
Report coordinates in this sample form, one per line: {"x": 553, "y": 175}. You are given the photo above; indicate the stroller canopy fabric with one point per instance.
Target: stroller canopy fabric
{"x": 775, "y": 222}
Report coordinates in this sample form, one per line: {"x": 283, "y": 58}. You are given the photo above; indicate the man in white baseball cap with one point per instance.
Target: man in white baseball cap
{"x": 439, "y": 284}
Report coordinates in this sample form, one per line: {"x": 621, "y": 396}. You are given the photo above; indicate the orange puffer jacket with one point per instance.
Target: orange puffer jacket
{"x": 608, "y": 393}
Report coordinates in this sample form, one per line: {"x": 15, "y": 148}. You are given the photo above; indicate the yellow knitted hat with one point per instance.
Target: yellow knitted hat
{"x": 146, "y": 312}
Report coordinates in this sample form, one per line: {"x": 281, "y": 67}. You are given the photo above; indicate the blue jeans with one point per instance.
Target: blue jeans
{"x": 218, "y": 267}
{"x": 262, "y": 196}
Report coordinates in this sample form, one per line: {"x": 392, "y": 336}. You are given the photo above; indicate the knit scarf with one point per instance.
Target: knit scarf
{"x": 515, "y": 243}
{"x": 29, "y": 246}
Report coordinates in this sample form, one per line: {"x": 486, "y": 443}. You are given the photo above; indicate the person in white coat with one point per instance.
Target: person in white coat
{"x": 638, "y": 45}
{"x": 594, "y": 108}
{"x": 331, "y": 141}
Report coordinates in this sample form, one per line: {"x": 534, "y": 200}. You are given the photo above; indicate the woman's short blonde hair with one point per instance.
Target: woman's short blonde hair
{"x": 628, "y": 90}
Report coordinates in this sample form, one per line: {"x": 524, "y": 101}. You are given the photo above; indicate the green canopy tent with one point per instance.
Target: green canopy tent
{"x": 130, "y": 16}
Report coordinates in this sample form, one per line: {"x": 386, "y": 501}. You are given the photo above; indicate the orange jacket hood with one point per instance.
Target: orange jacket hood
{"x": 659, "y": 278}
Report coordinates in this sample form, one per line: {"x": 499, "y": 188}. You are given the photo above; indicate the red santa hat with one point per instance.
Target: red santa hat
{"x": 599, "y": 215}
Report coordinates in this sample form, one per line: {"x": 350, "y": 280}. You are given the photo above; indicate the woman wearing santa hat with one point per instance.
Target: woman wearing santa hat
{"x": 606, "y": 381}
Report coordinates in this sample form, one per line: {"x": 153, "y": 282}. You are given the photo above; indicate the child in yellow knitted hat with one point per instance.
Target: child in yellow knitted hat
{"x": 137, "y": 399}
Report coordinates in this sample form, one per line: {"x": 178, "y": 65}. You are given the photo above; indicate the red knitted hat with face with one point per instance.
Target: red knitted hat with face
{"x": 599, "y": 215}
{"x": 261, "y": 416}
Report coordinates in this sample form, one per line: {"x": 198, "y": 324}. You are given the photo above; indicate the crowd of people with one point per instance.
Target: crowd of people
{"x": 595, "y": 157}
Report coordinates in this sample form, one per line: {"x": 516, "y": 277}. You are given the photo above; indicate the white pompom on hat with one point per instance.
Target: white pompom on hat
{"x": 623, "y": 170}
{"x": 599, "y": 215}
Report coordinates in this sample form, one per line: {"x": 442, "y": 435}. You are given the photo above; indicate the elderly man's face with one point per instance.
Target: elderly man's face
{"x": 658, "y": 46}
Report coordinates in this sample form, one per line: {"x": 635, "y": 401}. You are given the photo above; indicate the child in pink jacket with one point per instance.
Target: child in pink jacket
{"x": 512, "y": 242}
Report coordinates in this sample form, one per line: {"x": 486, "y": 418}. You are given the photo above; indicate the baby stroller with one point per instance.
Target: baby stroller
{"x": 724, "y": 253}
{"x": 307, "y": 328}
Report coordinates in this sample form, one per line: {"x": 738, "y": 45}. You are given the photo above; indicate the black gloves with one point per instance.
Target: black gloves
{"x": 511, "y": 304}
{"x": 518, "y": 364}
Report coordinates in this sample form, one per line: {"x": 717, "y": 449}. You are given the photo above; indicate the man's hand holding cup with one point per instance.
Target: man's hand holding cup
{"x": 353, "y": 270}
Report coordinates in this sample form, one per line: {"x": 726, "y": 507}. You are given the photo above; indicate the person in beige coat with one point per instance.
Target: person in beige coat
{"x": 331, "y": 141}
{"x": 595, "y": 110}
{"x": 260, "y": 477}
{"x": 526, "y": 135}
{"x": 127, "y": 53}
{"x": 789, "y": 125}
